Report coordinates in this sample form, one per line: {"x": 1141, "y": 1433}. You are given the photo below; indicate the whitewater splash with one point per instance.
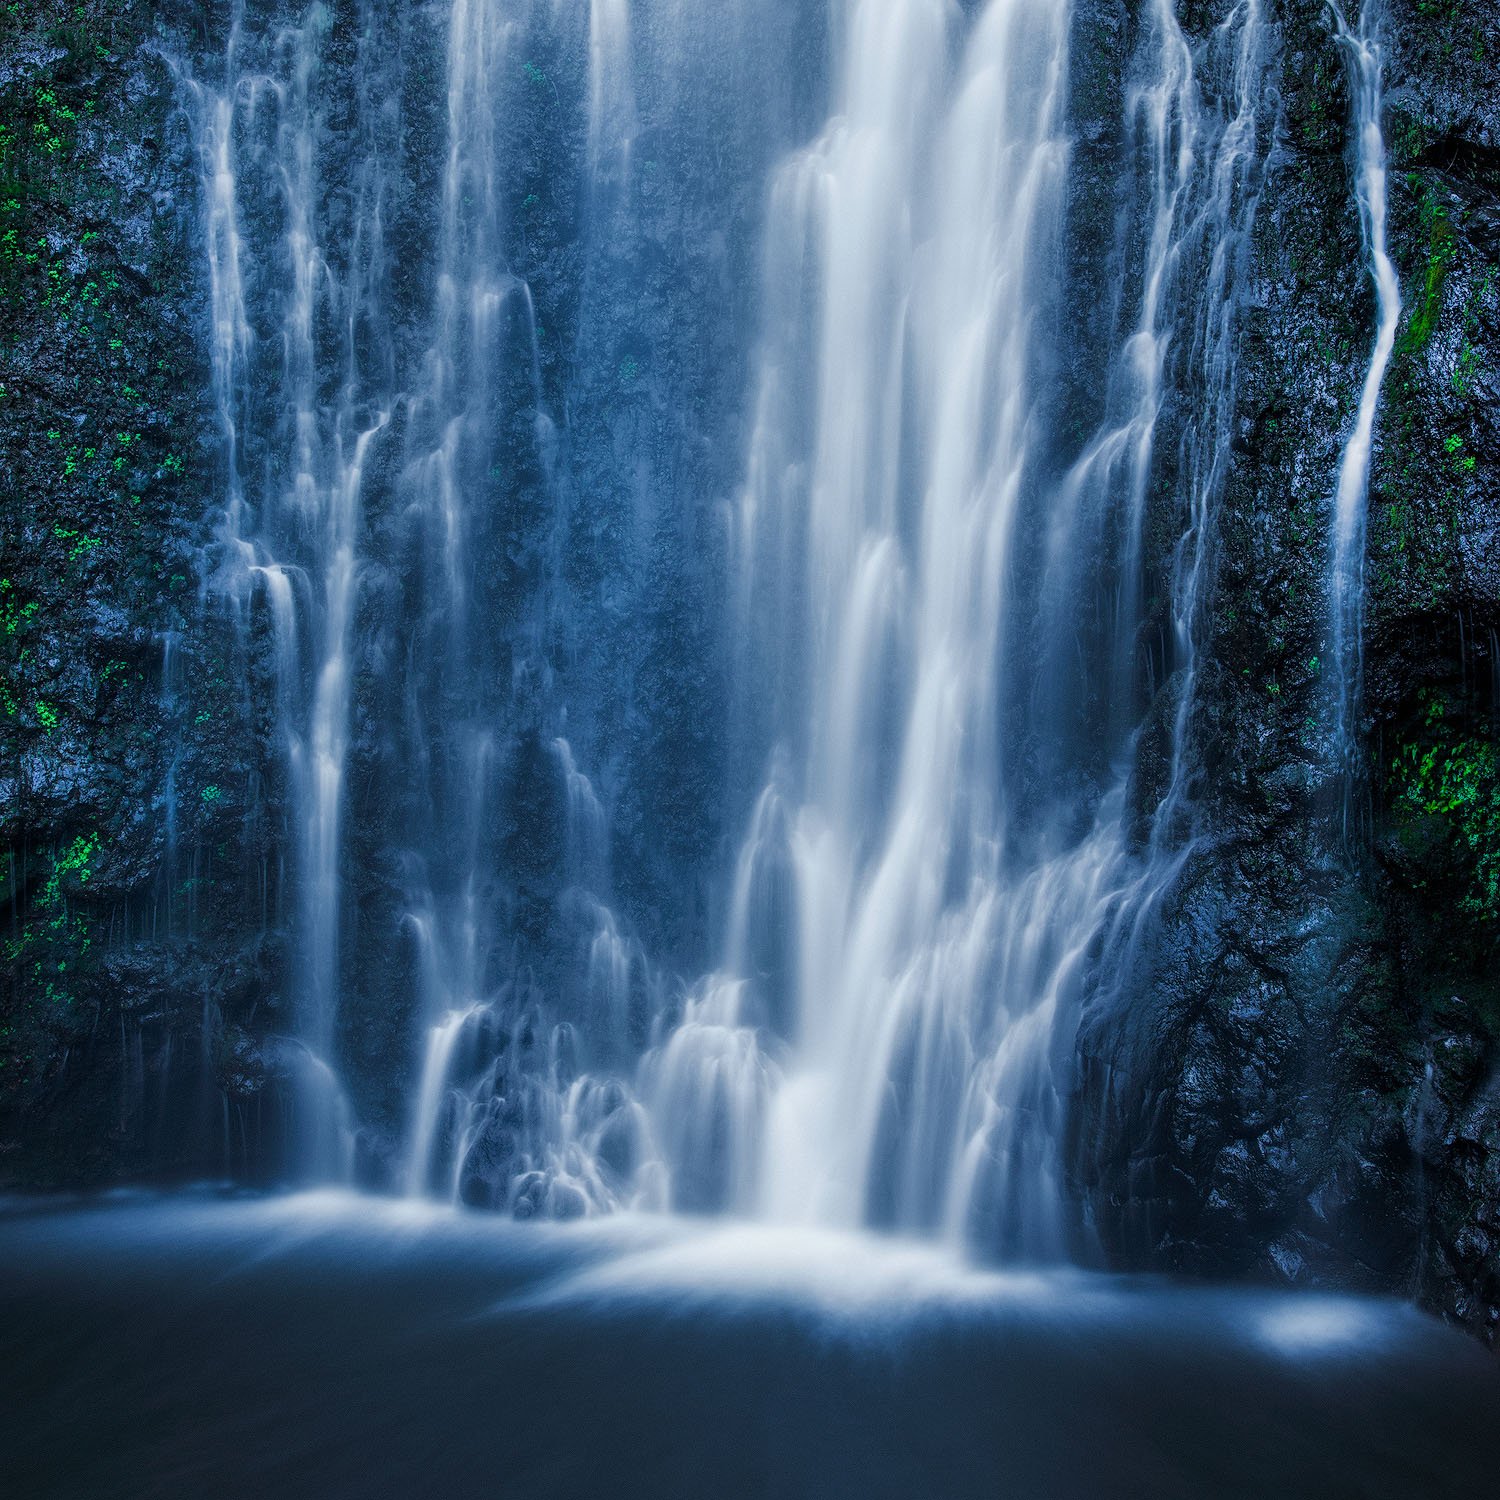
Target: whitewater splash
{"x": 948, "y": 621}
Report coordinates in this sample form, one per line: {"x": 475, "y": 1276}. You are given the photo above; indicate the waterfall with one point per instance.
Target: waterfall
{"x": 625, "y": 431}
{"x": 907, "y": 915}
{"x": 945, "y": 831}
{"x": 1347, "y": 566}
{"x": 449, "y": 711}
{"x": 301, "y": 405}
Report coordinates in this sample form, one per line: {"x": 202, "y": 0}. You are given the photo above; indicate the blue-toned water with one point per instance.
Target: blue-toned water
{"x": 712, "y": 574}
{"x": 717, "y": 503}
{"x": 326, "y": 1346}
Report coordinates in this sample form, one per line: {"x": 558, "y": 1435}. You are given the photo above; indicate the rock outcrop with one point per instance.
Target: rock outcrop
{"x": 1305, "y": 1087}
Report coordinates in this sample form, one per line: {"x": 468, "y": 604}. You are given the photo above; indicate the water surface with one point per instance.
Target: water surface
{"x": 330, "y": 1345}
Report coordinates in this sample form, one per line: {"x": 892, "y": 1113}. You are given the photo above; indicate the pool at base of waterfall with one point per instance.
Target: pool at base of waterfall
{"x": 331, "y": 1345}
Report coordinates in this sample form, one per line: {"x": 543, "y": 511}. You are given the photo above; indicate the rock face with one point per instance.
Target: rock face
{"x": 129, "y": 736}
{"x": 1305, "y": 1085}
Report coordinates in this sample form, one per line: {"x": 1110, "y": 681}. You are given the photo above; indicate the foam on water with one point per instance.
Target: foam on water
{"x": 855, "y": 1280}
{"x": 330, "y": 1345}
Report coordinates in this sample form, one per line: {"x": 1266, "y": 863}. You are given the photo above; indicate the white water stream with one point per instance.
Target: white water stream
{"x": 946, "y": 621}
{"x": 1347, "y": 569}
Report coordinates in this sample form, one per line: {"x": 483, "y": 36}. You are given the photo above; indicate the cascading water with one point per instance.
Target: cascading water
{"x": 1347, "y": 565}
{"x": 392, "y": 519}
{"x": 750, "y": 686}
{"x": 945, "y": 620}
{"x": 302, "y": 398}
{"x": 943, "y": 852}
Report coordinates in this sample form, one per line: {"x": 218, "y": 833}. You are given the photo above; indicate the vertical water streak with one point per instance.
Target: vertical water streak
{"x": 924, "y": 214}
{"x": 611, "y": 122}
{"x": 1220, "y": 235}
{"x": 432, "y": 1089}
{"x": 299, "y": 384}
{"x": 214, "y": 114}
{"x": 449, "y": 757}
{"x": 1364, "y": 54}
{"x": 946, "y": 608}
{"x": 944, "y": 839}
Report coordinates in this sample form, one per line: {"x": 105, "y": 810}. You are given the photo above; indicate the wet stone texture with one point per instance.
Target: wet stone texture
{"x": 1306, "y": 1087}
{"x": 132, "y": 736}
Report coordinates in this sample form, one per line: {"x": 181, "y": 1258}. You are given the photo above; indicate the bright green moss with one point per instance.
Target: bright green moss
{"x": 1441, "y": 244}
{"x": 1451, "y": 780}
{"x": 76, "y": 861}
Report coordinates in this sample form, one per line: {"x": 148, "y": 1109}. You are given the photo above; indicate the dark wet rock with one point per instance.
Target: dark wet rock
{"x": 1304, "y": 1087}
{"x": 134, "y": 987}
